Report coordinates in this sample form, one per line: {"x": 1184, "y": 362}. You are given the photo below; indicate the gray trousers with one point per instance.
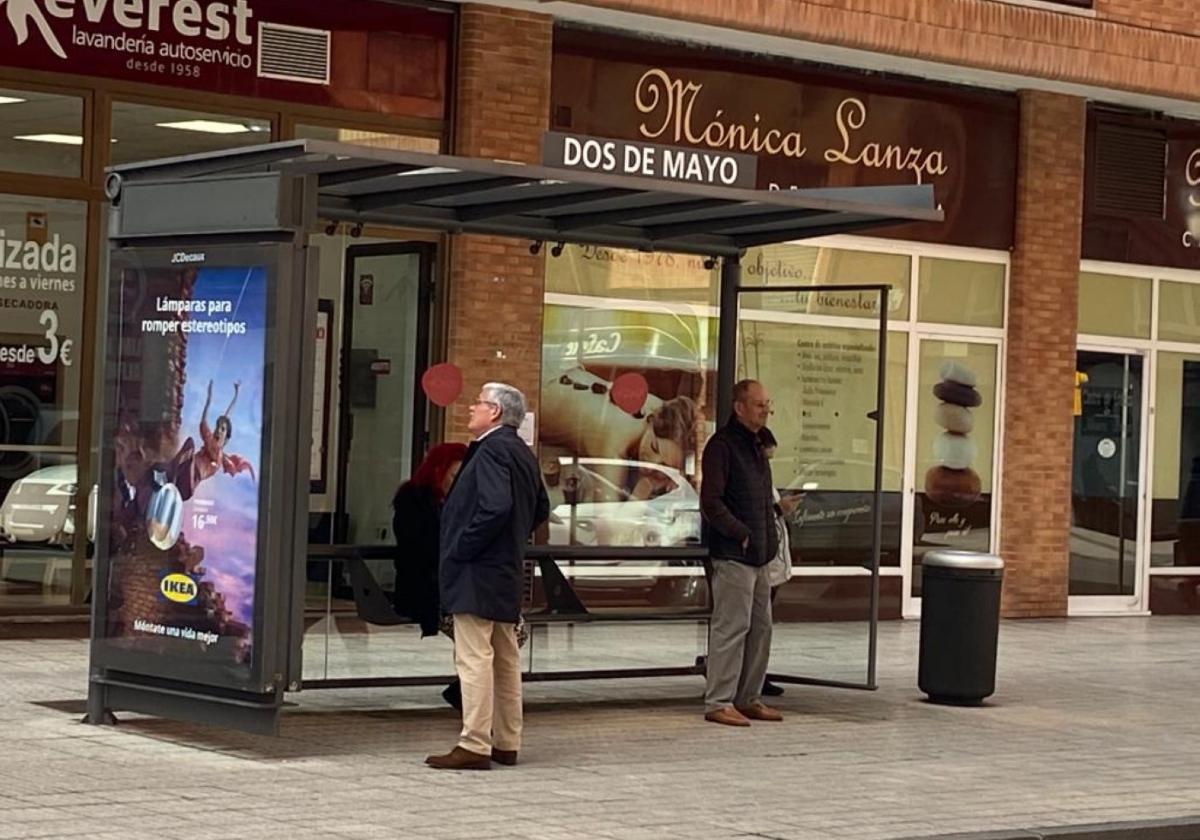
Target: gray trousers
{"x": 739, "y": 637}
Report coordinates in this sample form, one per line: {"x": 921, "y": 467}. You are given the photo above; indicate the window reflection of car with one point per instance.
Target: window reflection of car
{"x": 833, "y": 526}
{"x": 40, "y": 508}
{"x": 598, "y": 510}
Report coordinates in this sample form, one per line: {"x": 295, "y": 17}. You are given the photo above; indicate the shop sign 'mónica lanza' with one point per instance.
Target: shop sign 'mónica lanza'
{"x": 805, "y": 127}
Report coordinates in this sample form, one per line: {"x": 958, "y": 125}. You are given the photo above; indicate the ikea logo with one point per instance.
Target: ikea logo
{"x": 178, "y": 588}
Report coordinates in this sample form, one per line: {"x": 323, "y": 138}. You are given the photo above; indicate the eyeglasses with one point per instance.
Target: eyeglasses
{"x": 484, "y": 402}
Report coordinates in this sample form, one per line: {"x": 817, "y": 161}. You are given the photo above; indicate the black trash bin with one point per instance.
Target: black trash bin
{"x": 960, "y": 623}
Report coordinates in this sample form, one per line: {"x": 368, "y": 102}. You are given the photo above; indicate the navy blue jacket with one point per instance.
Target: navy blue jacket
{"x": 736, "y": 497}
{"x": 495, "y": 504}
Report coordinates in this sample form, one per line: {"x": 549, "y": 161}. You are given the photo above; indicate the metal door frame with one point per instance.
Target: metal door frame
{"x": 730, "y": 321}
{"x": 426, "y": 253}
{"x": 1138, "y": 603}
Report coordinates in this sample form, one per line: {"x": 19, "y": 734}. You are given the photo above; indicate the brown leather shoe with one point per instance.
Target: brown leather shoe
{"x": 728, "y": 716}
{"x": 506, "y": 757}
{"x": 760, "y": 711}
{"x": 460, "y": 759}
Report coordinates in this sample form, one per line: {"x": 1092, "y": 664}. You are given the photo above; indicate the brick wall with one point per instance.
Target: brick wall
{"x": 1115, "y": 49}
{"x": 503, "y": 87}
{"x": 1168, "y": 15}
{"x": 1042, "y": 315}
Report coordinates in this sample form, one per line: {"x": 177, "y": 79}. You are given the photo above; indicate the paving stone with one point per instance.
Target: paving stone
{"x": 1093, "y": 721}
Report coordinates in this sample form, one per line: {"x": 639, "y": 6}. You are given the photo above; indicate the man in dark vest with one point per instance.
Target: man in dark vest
{"x": 494, "y": 505}
{"x": 738, "y": 505}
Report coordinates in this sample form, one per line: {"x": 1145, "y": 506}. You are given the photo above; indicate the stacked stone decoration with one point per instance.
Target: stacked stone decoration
{"x": 952, "y": 482}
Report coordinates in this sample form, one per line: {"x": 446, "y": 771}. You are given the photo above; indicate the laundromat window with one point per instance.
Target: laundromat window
{"x": 806, "y": 265}
{"x": 964, "y": 292}
{"x": 41, "y": 322}
{"x": 146, "y": 132}
{"x": 1112, "y": 304}
{"x": 42, "y": 133}
{"x": 1179, "y": 312}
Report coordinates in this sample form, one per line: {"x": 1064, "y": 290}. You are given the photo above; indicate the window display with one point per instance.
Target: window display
{"x": 956, "y": 420}
{"x": 823, "y": 383}
{"x": 43, "y": 244}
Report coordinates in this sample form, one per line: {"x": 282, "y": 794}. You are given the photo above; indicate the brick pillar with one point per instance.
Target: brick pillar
{"x": 496, "y": 286}
{"x": 1042, "y": 315}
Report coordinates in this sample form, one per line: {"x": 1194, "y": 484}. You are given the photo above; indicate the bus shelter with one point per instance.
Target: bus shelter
{"x": 198, "y": 602}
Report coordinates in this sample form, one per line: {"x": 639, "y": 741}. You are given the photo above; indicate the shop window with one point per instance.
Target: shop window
{"x": 594, "y": 271}
{"x": 823, "y": 384}
{"x": 146, "y": 132}
{"x": 956, "y": 421}
{"x": 1111, "y": 304}
{"x": 1175, "y": 504}
{"x": 367, "y": 137}
{"x": 42, "y": 133}
{"x": 627, "y": 396}
{"x": 1179, "y": 312}
{"x": 806, "y": 265}
{"x": 41, "y": 317}
{"x": 961, "y": 292}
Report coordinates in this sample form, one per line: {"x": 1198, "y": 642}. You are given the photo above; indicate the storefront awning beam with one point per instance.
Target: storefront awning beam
{"x": 518, "y": 206}
{"x": 354, "y": 175}
{"x": 418, "y": 195}
{"x": 340, "y": 209}
{"x": 729, "y": 223}
{"x": 572, "y": 221}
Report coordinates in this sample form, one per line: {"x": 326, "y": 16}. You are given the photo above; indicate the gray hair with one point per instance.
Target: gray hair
{"x": 509, "y": 399}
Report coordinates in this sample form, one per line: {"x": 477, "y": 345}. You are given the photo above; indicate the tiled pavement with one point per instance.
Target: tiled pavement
{"x": 1095, "y": 720}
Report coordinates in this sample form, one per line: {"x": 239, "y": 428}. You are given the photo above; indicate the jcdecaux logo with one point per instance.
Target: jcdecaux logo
{"x": 179, "y": 588}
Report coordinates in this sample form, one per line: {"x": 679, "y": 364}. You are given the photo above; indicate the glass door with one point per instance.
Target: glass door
{"x": 1106, "y": 482}
{"x": 382, "y": 411}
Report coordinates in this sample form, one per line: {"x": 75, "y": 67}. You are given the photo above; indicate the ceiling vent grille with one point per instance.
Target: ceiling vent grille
{"x": 293, "y": 53}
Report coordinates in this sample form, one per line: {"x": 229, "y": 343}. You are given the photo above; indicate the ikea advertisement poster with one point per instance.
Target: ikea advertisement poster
{"x": 187, "y": 457}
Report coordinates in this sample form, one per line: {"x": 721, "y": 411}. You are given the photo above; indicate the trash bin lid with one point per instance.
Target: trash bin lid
{"x": 949, "y": 559}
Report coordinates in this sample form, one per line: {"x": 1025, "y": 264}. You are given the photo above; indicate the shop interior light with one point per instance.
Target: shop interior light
{"x": 212, "y": 126}
{"x": 61, "y": 139}
{"x": 10, "y": 100}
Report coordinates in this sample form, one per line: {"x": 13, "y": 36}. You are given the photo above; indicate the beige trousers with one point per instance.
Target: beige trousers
{"x": 489, "y": 666}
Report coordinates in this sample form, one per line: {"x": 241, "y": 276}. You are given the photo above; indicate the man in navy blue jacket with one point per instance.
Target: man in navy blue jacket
{"x": 495, "y": 504}
{"x": 738, "y": 502}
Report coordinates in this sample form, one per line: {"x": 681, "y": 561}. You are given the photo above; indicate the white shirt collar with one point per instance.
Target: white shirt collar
{"x": 488, "y": 432}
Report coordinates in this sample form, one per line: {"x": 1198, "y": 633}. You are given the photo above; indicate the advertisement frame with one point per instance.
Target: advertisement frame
{"x": 270, "y": 659}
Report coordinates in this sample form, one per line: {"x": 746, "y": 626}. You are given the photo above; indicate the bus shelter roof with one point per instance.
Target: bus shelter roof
{"x": 470, "y": 195}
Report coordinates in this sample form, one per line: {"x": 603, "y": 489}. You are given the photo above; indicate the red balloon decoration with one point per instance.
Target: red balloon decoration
{"x": 442, "y": 383}
{"x": 629, "y": 392}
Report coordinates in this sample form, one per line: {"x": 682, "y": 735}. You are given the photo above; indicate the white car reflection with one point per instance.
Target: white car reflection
{"x": 597, "y": 510}
{"x": 40, "y": 508}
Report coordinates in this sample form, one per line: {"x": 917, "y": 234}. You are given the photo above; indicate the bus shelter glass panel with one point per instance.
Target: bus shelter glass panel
{"x": 627, "y": 398}
{"x": 830, "y": 469}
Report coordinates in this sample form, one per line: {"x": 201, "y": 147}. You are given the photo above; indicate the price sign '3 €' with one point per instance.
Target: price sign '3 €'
{"x": 59, "y": 348}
